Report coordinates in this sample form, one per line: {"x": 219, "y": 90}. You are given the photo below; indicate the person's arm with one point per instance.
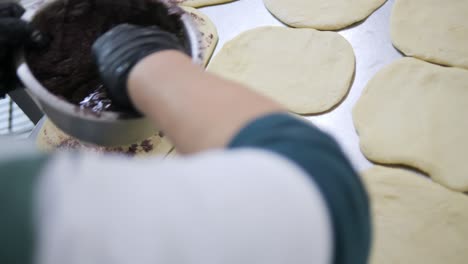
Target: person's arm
{"x": 196, "y": 109}
{"x": 281, "y": 192}
{"x": 147, "y": 69}
{"x": 199, "y": 111}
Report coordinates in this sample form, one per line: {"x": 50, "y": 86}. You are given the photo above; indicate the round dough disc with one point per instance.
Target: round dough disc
{"x": 432, "y": 30}
{"x": 51, "y": 138}
{"x": 415, "y": 220}
{"x": 207, "y": 30}
{"x": 306, "y": 70}
{"x": 322, "y": 14}
{"x": 200, "y": 3}
{"x": 415, "y": 113}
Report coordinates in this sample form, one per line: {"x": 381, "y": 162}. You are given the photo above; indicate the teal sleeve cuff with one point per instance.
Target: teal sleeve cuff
{"x": 321, "y": 158}
{"x": 17, "y": 185}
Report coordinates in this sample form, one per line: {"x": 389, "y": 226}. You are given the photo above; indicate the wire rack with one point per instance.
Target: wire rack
{"x": 13, "y": 121}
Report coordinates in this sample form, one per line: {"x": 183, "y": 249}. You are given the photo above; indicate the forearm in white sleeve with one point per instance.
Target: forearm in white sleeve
{"x": 242, "y": 206}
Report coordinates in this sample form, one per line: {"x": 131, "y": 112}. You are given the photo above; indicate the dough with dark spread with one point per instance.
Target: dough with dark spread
{"x": 51, "y": 138}
{"x": 208, "y": 32}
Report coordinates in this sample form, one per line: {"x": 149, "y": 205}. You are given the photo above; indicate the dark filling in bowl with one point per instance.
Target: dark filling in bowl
{"x": 66, "y": 68}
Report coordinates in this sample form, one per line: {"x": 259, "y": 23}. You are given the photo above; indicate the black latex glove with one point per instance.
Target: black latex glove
{"x": 14, "y": 33}
{"x": 121, "y": 48}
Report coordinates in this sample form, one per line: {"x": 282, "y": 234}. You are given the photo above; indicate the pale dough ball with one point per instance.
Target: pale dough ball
{"x": 432, "y": 30}
{"x": 306, "y": 70}
{"x": 322, "y": 14}
{"x": 208, "y": 32}
{"x": 415, "y": 220}
{"x": 415, "y": 113}
{"x": 200, "y": 3}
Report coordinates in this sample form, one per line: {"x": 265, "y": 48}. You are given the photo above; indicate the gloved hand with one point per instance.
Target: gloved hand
{"x": 120, "y": 49}
{"x": 14, "y": 33}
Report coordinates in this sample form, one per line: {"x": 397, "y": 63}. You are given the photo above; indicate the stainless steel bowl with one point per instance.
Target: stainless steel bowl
{"x": 106, "y": 128}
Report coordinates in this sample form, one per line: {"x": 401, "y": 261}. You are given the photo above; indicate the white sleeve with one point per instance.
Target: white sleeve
{"x": 229, "y": 207}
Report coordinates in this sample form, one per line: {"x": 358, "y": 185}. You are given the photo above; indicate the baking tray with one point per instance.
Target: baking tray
{"x": 372, "y": 47}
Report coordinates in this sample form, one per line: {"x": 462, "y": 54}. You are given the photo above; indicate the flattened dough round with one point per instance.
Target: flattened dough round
{"x": 200, "y": 3}
{"x": 51, "y": 138}
{"x": 432, "y": 30}
{"x": 415, "y": 220}
{"x": 306, "y": 70}
{"x": 415, "y": 113}
{"x": 322, "y": 14}
{"x": 207, "y": 30}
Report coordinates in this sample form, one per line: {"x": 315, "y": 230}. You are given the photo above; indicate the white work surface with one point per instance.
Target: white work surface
{"x": 372, "y": 47}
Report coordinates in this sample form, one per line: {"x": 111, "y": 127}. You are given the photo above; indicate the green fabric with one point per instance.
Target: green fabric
{"x": 17, "y": 184}
{"x": 321, "y": 158}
